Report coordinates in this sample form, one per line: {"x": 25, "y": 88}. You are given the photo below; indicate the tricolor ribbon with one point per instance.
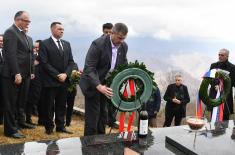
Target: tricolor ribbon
{"x": 128, "y": 90}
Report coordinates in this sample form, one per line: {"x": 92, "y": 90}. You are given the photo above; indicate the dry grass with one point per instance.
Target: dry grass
{"x": 39, "y": 133}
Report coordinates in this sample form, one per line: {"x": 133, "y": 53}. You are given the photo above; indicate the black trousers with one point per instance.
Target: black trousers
{"x": 95, "y": 114}
{"x": 111, "y": 114}
{"x": 55, "y": 103}
{"x": 14, "y": 98}
{"x": 33, "y": 96}
{"x": 170, "y": 113}
{"x": 70, "y": 103}
{"x": 41, "y": 108}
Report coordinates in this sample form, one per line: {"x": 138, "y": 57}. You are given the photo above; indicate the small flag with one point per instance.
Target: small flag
{"x": 210, "y": 73}
{"x": 199, "y": 107}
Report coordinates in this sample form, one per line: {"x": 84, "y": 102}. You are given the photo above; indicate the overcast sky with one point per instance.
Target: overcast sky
{"x": 189, "y": 31}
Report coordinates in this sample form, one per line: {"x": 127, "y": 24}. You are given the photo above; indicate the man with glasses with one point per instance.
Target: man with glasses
{"x": 224, "y": 64}
{"x": 104, "y": 55}
{"x": 17, "y": 71}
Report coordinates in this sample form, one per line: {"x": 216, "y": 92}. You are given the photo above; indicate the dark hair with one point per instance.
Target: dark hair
{"x": 107, "y": 26}
{"x": 18, "y": 14}
{"x": 120, "y": 28}
{"x": 54, "y": 23}
{"x": 38, "y": 41}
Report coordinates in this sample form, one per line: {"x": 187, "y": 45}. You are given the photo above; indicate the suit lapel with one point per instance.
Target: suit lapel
{"x": 55, "y": 47}
{"x": 21, "y": 37}
{"x": 109, "y": 49}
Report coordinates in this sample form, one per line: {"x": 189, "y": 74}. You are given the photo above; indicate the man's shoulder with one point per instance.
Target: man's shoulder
{"x": 101, "y": 40}
{"x": 65, "y": 41}
{"x": 10, "y": 30}
{"x": 214, "y": 65}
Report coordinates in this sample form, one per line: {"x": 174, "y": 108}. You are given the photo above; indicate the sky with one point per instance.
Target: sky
{"x": 186, "y": 34}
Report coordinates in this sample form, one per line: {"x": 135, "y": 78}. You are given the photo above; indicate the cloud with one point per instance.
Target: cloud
{"x": 195, "y": 63}
{"x": 164, "y": 19}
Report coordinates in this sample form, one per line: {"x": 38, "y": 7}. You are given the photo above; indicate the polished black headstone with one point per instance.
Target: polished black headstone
{"x": 220, "y": 138}
{"x": 217, "y": 138}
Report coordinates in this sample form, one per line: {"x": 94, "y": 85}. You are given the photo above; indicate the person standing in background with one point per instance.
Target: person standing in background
{"x": 176, "y": 97}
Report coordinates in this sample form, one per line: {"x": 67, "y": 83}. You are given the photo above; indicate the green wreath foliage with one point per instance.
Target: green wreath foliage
{"x": 142, "y": 77}
{"x": 203, "y": 91}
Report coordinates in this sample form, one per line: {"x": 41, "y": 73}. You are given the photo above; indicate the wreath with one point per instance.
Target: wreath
{"x": 144, "y": 86}
{"x": 203, "y": 91}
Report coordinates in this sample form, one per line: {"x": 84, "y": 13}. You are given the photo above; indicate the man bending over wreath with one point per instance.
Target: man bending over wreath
{"x": 104, "y": 55}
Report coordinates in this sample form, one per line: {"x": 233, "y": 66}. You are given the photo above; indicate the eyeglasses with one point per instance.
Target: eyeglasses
{"x": 221, "y": 55}
{"x": 24, "y": 20}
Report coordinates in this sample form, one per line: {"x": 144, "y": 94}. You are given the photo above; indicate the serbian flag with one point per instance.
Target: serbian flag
{"x": 199, "y": 107}
{"x": 217, "y": 113}
{"x": 128, "y": 90}
{"x": 210, "y": 73}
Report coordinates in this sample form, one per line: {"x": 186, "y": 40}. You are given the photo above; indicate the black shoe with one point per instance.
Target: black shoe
{"x": 16, "y": 135}
{"x": 67, "y": 124}
{"x": 26, "y": 126}
{"x": 49, "y": 131}
{"x": 63, "y": 130}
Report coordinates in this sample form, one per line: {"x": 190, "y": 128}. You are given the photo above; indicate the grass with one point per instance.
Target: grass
{"x": 38, "y": 133}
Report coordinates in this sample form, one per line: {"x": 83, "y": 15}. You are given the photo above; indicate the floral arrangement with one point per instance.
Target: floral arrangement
{"x": 74, "y": 80}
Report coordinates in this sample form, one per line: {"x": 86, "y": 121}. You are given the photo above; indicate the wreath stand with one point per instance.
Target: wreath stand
{"x": 143, "y": 86}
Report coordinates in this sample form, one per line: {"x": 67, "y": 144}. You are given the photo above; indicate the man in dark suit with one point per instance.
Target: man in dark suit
{"x": 1, "y": 64}
{"x": 176, "y": 97}
{"x": 224, "y": 64}
{"x": 34, "y": 93}
{"x": 17, "y": 70}
{"x": 104, "y": 54}
{"x": 57, "y": 64}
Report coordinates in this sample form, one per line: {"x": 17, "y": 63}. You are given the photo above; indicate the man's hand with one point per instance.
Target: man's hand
{"x": 36, "y": 62}
{"x": 175, "y": 100}
{"x": 18, "y": 79}
{"x": 62, "y": 77}
{"x": 32, "y": 76}
{"x": 108, "y": 92}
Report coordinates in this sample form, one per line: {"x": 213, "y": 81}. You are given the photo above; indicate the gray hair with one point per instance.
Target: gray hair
{"x": 178, "y": 76}
{"x": 120, "y": 28}
{"x": 225, "y": 50}
{"x": 18, "y": 14}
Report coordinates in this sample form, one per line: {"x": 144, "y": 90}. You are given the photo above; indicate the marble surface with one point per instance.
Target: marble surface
{"x": 114, "y": 145}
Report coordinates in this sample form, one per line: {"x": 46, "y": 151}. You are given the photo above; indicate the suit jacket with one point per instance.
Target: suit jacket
{"x": 181, "y": 93}
{"x": 53, "y": 63}
{"x": 17, "y": 53}
{"x": 231, "y": 68}
{"x": 98, "y": 63}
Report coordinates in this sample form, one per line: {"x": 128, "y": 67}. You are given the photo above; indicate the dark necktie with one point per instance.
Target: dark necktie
{"x": 25, "y": 38}
{"x": 60, "y": 47}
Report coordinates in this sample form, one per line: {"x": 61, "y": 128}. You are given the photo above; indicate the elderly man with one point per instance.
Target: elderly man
{"x": 104, "y": 54}
{"x": 176, "y": 97}
{"x": 224, "y": 64}
{"x": 16, "y": 73}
